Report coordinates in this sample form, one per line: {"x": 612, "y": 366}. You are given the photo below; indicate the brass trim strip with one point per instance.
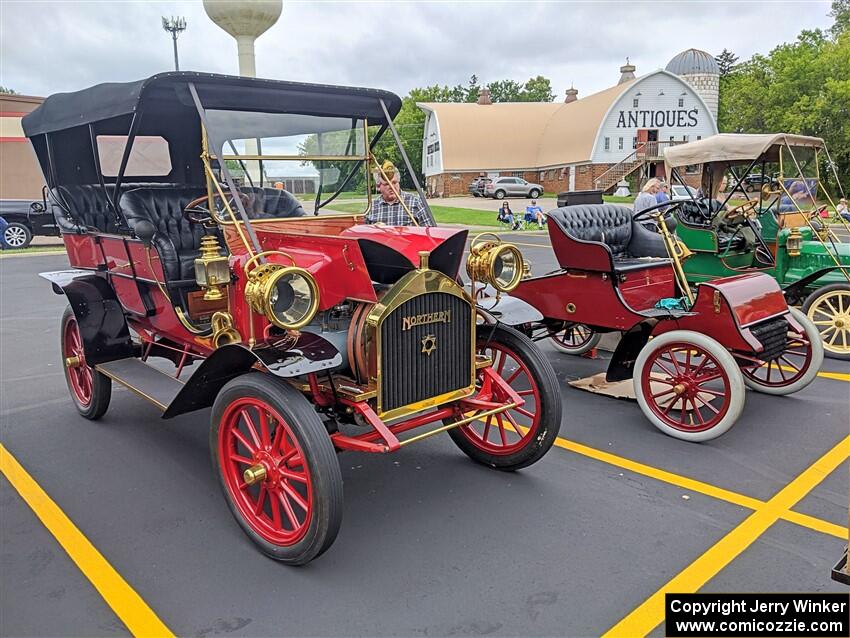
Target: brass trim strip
{"x": 133, "y": 389}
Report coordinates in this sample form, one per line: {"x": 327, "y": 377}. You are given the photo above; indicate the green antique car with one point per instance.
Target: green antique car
{"x": 783, "y": 229}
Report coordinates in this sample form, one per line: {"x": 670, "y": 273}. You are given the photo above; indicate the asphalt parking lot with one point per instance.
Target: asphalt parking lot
{"x": 581, "y": 543}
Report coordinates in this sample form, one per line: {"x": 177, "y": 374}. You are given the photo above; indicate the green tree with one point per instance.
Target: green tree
{"x": 726, "y": 61}
{"x": 799, "y": 87}
{"x": 3, "y": 89}
{"x": 841, "y": 15}
{"x": 537, "y": 89}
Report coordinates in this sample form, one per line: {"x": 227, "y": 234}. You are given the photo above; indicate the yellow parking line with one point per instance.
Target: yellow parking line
{"x": 140, "y": 619}
{"x": 650, "y": 613}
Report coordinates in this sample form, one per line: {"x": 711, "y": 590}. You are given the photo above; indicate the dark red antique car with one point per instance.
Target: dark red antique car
{"x": 195, "y": 283}
{"x": 690, "y": 357}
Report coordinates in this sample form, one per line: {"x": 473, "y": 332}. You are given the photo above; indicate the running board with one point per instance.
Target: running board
{"x": 149, "y": 383}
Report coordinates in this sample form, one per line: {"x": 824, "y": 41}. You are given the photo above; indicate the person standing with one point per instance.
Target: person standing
{"x": 535, "y": 213}
{"x": 394, "y": 207}
{"x": 647, "y": 196}
{"x": 662, "y": 196}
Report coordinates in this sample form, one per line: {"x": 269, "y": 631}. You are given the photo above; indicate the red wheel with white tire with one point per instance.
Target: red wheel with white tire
{"x": 688, "y": 385}
{"x": 576, "y": 339}
{"x": 519, "y": 436}
{"x": 90, "y": 390}
{"x": 277, "y": 468}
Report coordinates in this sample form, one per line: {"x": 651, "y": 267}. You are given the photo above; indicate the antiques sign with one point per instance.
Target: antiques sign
{"x": 654, "y": 119}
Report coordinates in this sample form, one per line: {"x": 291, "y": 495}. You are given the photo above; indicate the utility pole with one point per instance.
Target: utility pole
{"x": 175, "y": 26}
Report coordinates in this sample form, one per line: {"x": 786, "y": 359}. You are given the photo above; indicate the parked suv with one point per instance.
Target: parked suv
{"x": 476, "y": 186}
{"x": 502, "y": 187}
{"x": 754, "y": 181}
{"x": 26, "y": 218}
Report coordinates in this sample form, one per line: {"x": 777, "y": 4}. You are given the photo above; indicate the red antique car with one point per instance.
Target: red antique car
{"x": 690, "y": 357}
{"x": 195, "y": 283}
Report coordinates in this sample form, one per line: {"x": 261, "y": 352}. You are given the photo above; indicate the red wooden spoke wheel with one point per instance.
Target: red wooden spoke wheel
{"x": 576, "y": 339}
{"x": 521, "y": 435}
{"x": 90, "y": 390}
{"x": 795, "y": 368}
{"x": 688, "y": 385}
{"x": 278, "y": 501}
{"x": 277, "y": 467}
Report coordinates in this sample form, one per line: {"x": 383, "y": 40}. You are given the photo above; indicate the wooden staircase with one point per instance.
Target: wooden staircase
{"x": 645, "y": 153}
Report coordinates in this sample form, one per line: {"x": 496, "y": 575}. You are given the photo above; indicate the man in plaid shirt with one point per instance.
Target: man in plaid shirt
{"x": 388, "y": 210}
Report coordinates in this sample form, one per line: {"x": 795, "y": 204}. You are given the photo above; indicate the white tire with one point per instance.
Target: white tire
{"x": 696, "y": 408}
{"x": 807, "y": 358}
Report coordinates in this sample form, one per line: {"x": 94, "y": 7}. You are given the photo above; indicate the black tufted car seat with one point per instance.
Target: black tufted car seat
{"x": 177, "y": 240}
{"x": 271, "y": 203}
{"x": 631, "y": 245}
{"x": 83, "y": 208}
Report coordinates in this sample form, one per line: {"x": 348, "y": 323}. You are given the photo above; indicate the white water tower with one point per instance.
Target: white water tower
{"x": 245, "y": 20}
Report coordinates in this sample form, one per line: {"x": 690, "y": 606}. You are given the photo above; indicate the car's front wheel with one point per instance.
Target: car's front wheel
{"x": 17, "y": 235}
{"x": 277, "y": 467}
{"x": 688, "y": 385}
{"x": 519, "y": 436}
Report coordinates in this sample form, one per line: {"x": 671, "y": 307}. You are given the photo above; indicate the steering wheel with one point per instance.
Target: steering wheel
{"x": 198, "y": 214}
{"x": 738, "y": 214}
{"x": 651, "y": 212}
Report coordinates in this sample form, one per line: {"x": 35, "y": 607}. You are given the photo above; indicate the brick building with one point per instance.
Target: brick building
{"x": 20, "y": 174}
{"x": 584, "y": 143}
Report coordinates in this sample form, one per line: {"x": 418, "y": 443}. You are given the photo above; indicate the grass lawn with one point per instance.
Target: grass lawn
{"x": 443, "y": 214}
{"x": 33, "y": 249}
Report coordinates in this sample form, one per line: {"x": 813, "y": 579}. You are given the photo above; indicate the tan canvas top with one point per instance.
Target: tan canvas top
{"x": 731, "y": 147}
{"x": 521, "y": 135}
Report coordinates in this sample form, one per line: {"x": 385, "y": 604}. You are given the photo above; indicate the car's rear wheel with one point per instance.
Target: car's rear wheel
{"x": 534, "y": 193}
{"x": 17, "y": 235}
{"x": 829, "y": 310}
{"x": 519, "y": 436}
{"x": 90, "y": 390}
{"x": 277, "y": 468}
{"x": 795, "y": 367}
{"x": 688, "y": 385}
{"x": 576, "y": 339}
{"x": 499, "y": 194}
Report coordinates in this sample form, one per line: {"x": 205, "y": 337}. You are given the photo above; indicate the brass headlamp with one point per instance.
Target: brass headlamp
{"x": 794, "y": 242}
{"x": 492, "y": 262}
{"x": 287, "y": 295}
{"x": 211, "y": 269}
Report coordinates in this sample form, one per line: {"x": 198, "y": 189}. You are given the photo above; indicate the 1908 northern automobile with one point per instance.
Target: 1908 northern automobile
{"x": 689, "y": 357}
{"x": 308, "y": 335}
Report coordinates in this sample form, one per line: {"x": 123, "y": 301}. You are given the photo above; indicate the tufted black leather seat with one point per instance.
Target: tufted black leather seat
{"x": 271, "y": 203}
{"x": 631, "y": 245}
{"x": 177, "y": 240}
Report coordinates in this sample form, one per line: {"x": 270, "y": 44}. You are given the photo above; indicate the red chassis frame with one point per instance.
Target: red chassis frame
{"x": 334, "y": 257}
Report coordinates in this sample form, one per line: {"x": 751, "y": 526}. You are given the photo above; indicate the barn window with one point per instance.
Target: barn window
{"x": 681, "y": 102}
{"x": 699, "y": 137}
{"x": 634, "y": 142}
{"x": 620, "y": 144}
{"x": 685, "y": 138}
{"x": 635, "y": 103}
{"x": 607, "y": 143}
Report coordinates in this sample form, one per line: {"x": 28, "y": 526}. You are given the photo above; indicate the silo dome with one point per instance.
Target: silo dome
{"x": 692, "y": 62}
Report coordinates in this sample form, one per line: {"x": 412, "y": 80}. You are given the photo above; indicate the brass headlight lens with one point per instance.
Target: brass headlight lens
{"x": 492, "y": 262}
{"x": 287, "y": 296}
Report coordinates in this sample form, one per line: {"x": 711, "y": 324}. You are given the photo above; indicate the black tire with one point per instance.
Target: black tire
{"x": 835, "y": 293}
{"x": 500, "y": 194}
{"x": 321, "y": 464}
{"x": 101, "y": 386}
{"x": 546, "y": 430}
{"x": 17, "y": 236}
{"x": 534, "y": 193}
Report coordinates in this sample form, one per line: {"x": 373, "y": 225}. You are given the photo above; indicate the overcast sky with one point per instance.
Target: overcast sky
{"x": 47, "y": 47}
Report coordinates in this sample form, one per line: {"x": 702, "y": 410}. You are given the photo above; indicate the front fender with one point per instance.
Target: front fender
{"x": 310, "y": 353}
{"x": 100, "y": 317}
{"x": 508, "y": 310}
{"x": 796, "y": 292}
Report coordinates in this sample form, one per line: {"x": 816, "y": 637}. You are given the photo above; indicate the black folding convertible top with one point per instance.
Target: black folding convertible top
{"x": 104, "y": 101}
